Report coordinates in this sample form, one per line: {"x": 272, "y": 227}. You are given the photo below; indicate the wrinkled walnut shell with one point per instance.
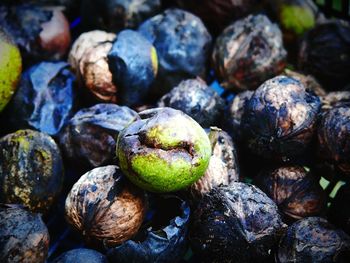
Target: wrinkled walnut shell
{"x": 104, "y": 207}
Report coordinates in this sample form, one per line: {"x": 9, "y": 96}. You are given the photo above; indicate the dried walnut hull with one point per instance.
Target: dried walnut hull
{"x": 45, "y": 98}
{"x": 162, "y": 238}
{"x": 296, "y": 192}
{"x": 235, "y": 223}
{"x": 23, "y": 236}
{"x": 248, "y": 52}
{"x": 313, "y": 239}
{"x": 333, "y": 137}
{"x": 89, "y": 139}
{"x": 280, "y": 119}
{"x": 197, "y": 100}
{"x": 175, "y": 29}
{"x": 31, "y": 170}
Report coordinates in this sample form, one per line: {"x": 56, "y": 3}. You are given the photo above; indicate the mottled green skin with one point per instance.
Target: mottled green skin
{"x": 31, "y": 170}
{"x": 10, "y": 69}
{"x": 297, "y": 19}
{"x": 165, "y": 151}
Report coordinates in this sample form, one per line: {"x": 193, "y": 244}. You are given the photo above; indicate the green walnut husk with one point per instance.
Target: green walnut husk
{"x": 31, "y": 170}
{"x": 165, "y": 151}
{"x": 10, "y": 69}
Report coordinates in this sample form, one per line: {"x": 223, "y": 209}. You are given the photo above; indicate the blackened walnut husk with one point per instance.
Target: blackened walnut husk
{"x": 89, "y": 139}
{"x": 296, "y": 192}
{"x": 180, "y": 31}
{"x": 339, "y": 212}
{"x": 308, "y": 81}
{"x": 233, "y": 114}
{"x": 333, "y": 137}
{"x": 81, "y": 255}
{"x": 280, "y": 118}
{"x": 197, "y": 100}
{"x": 104, "y": 207}
{"x": 335, "y": 99}
{"x": 236, "y": 223}
{"x": 162, "y": 238}
{"x": 314, "y": 240}
{"x": 116, "y": 15}
{"x": 325, "y": 53}
{"x": 31, "y": 170}
{"x": 82, "y": 44}
{"x": 40, "y": 32}
{"x": 134, "y": 65}
{"x": 44, "y": 99}
{"x": 223, "y": 166}
{"x": 248, "y": 52}
{"x": 23, "y": 236}
{"x": 217, "y": 14}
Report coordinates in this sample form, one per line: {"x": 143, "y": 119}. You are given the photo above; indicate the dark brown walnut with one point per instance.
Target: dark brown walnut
{"x": 223, "y": 166}
{"x": 83, "y": 43}
{"x": 296, "y": 192}
{"x": 325, "y": 53}
{"x": 334, "y": 99}
{"x": 333, "y": 137}
{"x": 236, "y": 223}
{"x": 89, "y": 139}
{"x": 197, "y": 100}
{"x": 233, "y": 114}
{"x": 217, "y": 14}
{"x": 339, "y": 212}
{"x": 104, "y": 207}
{"x": 40, "y": 32}
{"x": 23, "y": 236}
{"x": 308, "y": 81}
{"x": 248, "y": 52}
{"x": 95, "y": 73}
{"x": 313, "y": 239}
{"x": 81, "y": 255}
{"x": 31, "y": 170}
{"x": 280, "y": 119}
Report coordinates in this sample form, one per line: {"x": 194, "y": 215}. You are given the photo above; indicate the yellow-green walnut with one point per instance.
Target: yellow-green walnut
{"x": 10, "y": 69}
{"x": 165, "y": 151}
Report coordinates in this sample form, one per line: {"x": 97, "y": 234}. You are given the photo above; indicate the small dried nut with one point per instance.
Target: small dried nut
{"x": 248, "y": 52}
{"x": 233, "y": 115}
{"x": 333, "y": 137}
{"x": 334, "y": 99}
{"x": 23, "y": 236}
{"x": 55, "y": 36}
{"x": 223, "y": 165}
{"x": 325, "y": 53}
{"x": 196, "y": 99}
{"x": 280, "y": 118}
{"x": 308, "y": 81}
{"x": 235, "y": 223}
{"x": 296, "y": 192}
{"x": 104, "y": 207}
{"x": 313, "y": 239}
{"x": 95, "y": 72}
{"x": 83, "y": 43}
